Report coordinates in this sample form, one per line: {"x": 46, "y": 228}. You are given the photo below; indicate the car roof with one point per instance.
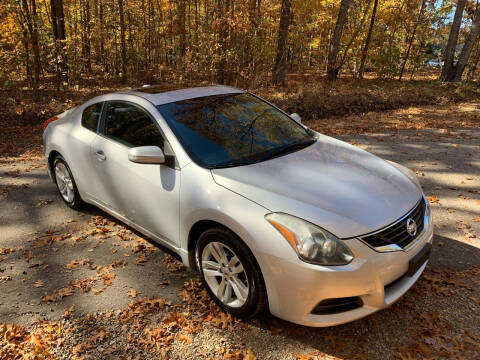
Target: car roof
{"x": 168, "y": 93}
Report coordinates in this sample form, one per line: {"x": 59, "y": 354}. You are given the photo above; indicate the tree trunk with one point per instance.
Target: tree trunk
{"x": 333, "y": 66}
{"x": 354, "y": 36}
{"x": 59, "y": 36}
{"x": 448, "y": 70}
{"x": 253, "y": 22}
{"x": 30, "y": 19}
{"x": 123, "y": 46}
{"x": 28, "y": 69}
{"x": 86, "y": 52}
{"x": 278, "y": 73}
{"x": 414, "y": 31}
{"x": 467, "y": 47}
{"x": 222, "y": 40}
{"x": 103, "y": 59}
{"x": 181, "y": 24}
{"x": 367, "y": 41}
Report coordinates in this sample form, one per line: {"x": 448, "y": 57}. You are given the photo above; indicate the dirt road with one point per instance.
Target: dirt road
{"x": 79, "y": 271}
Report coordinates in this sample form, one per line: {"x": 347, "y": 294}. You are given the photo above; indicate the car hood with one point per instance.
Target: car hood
{"x": 332, "y": 184}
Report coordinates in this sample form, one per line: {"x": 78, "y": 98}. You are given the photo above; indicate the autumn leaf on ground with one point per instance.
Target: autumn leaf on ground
{"x": 5, "y": 278}
{"x": 76, "y": 263}
{"x": 433, "y": 199}
{"x": 165, "y": 282}
{"x": 107, "y": 278}
{"x": 186, "y": 339}
{"x": 172, "y": 264}
{"x": 303, "y": 357}
{"x": 97, "y": 291}
{"x": 28, "y": 255}
{"x": 469, "y": 236}
{"x": 43, "y": 202}
{"x": 39, "y": 283}
{"x": 132, "y": 293}
{"x": 476, "y": 219}
{"x": 451, "y": 210}
{"x": 67, "y": 313}
{"x": 141, "y": 259}
{"x": 462, "y": 224}
{"x": 59, "y": 294}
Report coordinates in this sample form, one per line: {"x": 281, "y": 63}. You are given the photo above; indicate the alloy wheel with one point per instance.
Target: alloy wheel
{"x": 224, "y": 274}
{"x": 64, "y": 182}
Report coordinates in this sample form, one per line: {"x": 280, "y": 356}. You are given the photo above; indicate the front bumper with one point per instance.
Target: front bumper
{"x": 379, "y": 279}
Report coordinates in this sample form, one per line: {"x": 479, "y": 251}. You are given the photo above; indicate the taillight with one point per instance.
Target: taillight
{"x": 52, "y": 119}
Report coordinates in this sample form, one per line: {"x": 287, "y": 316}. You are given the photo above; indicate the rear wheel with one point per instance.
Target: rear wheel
{"x": 230, "y": 273}
{"x": 66, "y": 184}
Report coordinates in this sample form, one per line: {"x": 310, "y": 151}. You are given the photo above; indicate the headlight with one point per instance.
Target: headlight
{"x": 407, "y": 172}
{"x": 312, "y": 243}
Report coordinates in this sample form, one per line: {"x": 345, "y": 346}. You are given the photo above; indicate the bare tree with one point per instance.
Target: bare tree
{"x": 367, "y": 40}
{"x": 333, "y": 66}
{"x": 278, "y": 73}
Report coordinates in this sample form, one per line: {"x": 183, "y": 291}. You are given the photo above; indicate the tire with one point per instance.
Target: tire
{"x": 70, "y": 196}
{"x": 235, "y": 300}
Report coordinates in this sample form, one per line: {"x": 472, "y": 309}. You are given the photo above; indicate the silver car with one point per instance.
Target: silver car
{"x": 273, "y": 214}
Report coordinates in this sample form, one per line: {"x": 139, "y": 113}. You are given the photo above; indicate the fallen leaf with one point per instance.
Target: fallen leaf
{"x": 5, "y": 278}
{"x": 67, "y": 313}
{"x": 433, "y": 199}
{"x": 141, "y": 260}
{"x": 186, "y": 339}
{"x": 97, "y": 291}
{"x": 132, "y": 293}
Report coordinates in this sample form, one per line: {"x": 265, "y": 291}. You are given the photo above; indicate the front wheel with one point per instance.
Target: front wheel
{"x": 230, "y": 273}
{"x": 66, "y": 184}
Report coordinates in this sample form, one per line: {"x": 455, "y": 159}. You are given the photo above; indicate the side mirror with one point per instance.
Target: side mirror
{"x": 296, "y": 117}
{"x": 146, "y": 155}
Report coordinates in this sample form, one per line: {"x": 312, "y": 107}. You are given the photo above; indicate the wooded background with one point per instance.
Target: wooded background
{"x": 64, "y": 43}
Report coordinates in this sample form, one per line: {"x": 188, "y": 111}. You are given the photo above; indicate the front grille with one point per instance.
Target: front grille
{"x": 396, "y": 233}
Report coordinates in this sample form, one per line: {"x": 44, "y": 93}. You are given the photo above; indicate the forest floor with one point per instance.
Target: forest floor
{"x": 80, "y": 285}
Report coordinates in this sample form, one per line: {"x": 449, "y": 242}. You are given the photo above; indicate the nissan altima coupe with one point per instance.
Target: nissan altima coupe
{"x": 272, "y": 214}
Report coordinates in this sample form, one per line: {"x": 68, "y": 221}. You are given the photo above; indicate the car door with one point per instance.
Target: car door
{"x": 146, "y": 194}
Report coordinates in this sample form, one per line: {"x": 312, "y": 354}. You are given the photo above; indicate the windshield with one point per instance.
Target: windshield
{"x": 233, "y": 129}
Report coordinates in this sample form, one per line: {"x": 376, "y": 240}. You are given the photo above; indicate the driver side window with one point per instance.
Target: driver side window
{"x": 131, "y": 126}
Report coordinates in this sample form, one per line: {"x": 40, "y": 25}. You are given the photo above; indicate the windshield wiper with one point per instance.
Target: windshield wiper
{"x": 288, "y": 149}
{"x": 232, "y": 164}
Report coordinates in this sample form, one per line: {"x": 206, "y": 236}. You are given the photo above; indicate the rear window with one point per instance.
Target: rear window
{"x": 91, "y": 115}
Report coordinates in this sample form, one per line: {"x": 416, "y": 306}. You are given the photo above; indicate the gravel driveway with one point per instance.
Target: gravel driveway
{"x": 82, "y": 285}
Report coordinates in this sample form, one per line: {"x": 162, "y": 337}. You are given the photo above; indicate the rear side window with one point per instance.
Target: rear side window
{"x": 131, "y": 125}
{"x": 90, "y": 116}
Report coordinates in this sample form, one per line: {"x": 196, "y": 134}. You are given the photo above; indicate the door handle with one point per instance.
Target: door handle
{"x": 100, "y": 155}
